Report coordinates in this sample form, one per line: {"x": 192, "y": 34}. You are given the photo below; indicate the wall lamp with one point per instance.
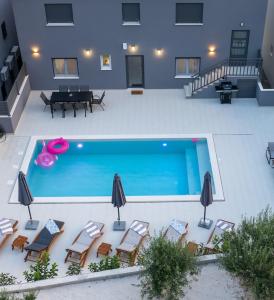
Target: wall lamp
{"x": 87, "y": 53}
{"x": 133, "y": 48}
{"x": 159, "y": 52}
{"x": 35, "y": 51}
{"x": 212, "y": 50}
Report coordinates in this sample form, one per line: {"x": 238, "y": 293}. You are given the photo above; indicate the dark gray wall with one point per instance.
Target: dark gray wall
{"x": 269, "y": 43}
{"x": 6, "y": 14}
{"x": 98, "y": 25}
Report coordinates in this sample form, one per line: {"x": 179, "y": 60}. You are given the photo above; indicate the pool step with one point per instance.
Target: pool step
{"x": 192, "y": 167}
{"x": 203, "y": 160}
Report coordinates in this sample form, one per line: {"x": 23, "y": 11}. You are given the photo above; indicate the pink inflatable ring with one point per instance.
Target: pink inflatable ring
{"x": 58, "y": 146}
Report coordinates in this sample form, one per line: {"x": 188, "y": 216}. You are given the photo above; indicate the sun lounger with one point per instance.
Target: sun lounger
{"x": 132, "y": 240}
{"x": 220, "y": 228}
{"x": 80, "y": 247}
{"x": 44, "y": 240}
{"x": 176, "y": 231}
{"x": 270, "y": 154}
{"x": 7, "y": 228}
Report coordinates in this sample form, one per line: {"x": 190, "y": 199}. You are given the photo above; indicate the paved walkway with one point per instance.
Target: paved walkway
{"x": 241, "y": 132}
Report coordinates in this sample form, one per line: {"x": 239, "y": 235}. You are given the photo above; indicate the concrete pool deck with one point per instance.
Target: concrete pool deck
{"x": 240, "y": 132}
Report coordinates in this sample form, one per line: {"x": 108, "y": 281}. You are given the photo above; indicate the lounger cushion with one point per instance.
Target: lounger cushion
{"x": 131, "y": 241}
{"x": 172, "y": 235}
{"x": 78, "y": 247}
{"x": 44, "y": 239}
{"x": 127, "y": 247}
{"x": 37, "y": 247}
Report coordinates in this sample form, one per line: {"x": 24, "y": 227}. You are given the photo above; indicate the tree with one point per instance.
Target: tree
{"x": 167, "y": 266}
{"x": 249, "y": 253}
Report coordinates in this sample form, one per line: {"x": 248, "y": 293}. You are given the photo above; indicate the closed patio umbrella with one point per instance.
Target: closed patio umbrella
{"x": 206, "y": 199}
{"x": 25, "y": 198}
{"x": 118, "y": 200}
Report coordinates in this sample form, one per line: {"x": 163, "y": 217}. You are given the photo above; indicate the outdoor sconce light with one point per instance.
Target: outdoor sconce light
{"x": 133, "y": 48}
{"x": 211, "y": 50}
{"x": 159, "y": 51}
{"x": 35, "y": 51}
{"x": 88, "y": 53}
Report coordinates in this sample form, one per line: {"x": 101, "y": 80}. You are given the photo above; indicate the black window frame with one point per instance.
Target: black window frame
{"x": 49, "y": 22}
{"x": 4, "y": 30}
{"x": 123, "y": 12}
{"x": 200, "y": 21}
{"x": 63, "y": 76}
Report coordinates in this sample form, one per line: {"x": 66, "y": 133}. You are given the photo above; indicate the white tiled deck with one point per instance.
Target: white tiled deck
{"x": 241, "y": 132}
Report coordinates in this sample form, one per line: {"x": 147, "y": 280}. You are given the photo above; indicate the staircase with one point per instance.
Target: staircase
{"x": 239, "y": 68}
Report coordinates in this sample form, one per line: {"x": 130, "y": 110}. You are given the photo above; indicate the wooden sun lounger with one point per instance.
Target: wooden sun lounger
{"x": 81, "y": 246}
{"x": 4, "y": 238}
{"x": 174, "y": 235}
{"x": 220, "y": 228}
{"x": 131, "y": 243}
{"x": 42, "y": 242}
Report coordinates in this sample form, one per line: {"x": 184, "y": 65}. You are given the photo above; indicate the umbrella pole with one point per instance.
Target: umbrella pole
{"x": 118, "y": 216}
{"x": 30, "y": 213}
{"x": 204, "y": 213}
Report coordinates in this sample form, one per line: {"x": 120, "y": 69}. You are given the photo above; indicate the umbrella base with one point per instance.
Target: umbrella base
{"x": 119, "y": 226}
{"x": 32, "y": 225}
{"x": 205, "y": 223}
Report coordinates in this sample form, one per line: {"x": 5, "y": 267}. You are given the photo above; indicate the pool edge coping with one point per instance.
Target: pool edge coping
{"x": 217, "y": 196}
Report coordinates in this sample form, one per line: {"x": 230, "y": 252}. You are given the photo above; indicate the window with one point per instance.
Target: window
{"x": 186, "y": 67}
{"x": 65, "y": 68}
{"x": 4, "y": 30}
{"x": 59, "y": 14}
{"x": 189, "y": 13}
{"x": 131, "y": 13}
{"x": 105, "y": 60}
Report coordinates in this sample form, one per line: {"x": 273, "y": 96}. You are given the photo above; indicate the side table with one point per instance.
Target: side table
{"x": 104, "y": 249}
{"x": 19, "y": 242}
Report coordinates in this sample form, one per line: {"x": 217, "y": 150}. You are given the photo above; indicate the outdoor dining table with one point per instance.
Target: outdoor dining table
{"x": 70, "y": 97}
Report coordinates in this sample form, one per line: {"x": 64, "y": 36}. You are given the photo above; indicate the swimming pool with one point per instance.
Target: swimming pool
{"x": 151, "y": 169}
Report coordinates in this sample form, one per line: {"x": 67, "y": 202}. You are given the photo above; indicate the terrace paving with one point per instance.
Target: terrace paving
{"x": 240, "y": 131}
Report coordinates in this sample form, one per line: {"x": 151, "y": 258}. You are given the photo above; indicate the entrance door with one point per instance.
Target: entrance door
{"x": 239, "y": 44}
{"x": 135, "y": 71}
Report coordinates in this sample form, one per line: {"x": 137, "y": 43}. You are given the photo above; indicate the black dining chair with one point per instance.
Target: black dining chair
{"x": 74, "y": 88}
{"x": 84, "y": 88}
{"x": 63, "y": 88}
{"x": 45, "y": 100}
{"x": 99, "y": 100}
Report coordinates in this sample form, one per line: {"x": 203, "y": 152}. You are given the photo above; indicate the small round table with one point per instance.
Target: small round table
{"x": 104, "y": 249}
{"x": 19, "y": 242}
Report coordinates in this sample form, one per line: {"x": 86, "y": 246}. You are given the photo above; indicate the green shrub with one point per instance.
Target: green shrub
{"x": 6, "y": 296}
{"x": 249, "y": 253}
{"x": 74, "y": 269}
{"x": 30, "y": 296}
{"x": 167, "y": 266}
{"x": 6, "y": 279}
{"x": 107, "y": 263}
{"x": 42, "y": 269}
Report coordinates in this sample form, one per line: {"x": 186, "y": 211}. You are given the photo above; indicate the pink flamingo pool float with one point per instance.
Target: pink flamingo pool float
{"x": 49, "y": 153}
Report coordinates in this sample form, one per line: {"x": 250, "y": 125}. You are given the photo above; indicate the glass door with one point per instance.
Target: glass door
{"x": 135, "y": 71}
{"x": 239, "y": 44}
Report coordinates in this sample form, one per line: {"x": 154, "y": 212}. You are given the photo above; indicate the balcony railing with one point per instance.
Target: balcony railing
{"x": 6, "y": 105}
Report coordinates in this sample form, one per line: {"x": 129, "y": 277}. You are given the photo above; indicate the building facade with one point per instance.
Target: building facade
{"x": 268, "y": 44}
{"x": 123, "y": 44}
{"x": 8, "y": 36}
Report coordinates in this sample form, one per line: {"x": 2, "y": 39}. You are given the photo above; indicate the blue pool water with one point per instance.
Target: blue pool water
{"x": 154, "y": 167}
